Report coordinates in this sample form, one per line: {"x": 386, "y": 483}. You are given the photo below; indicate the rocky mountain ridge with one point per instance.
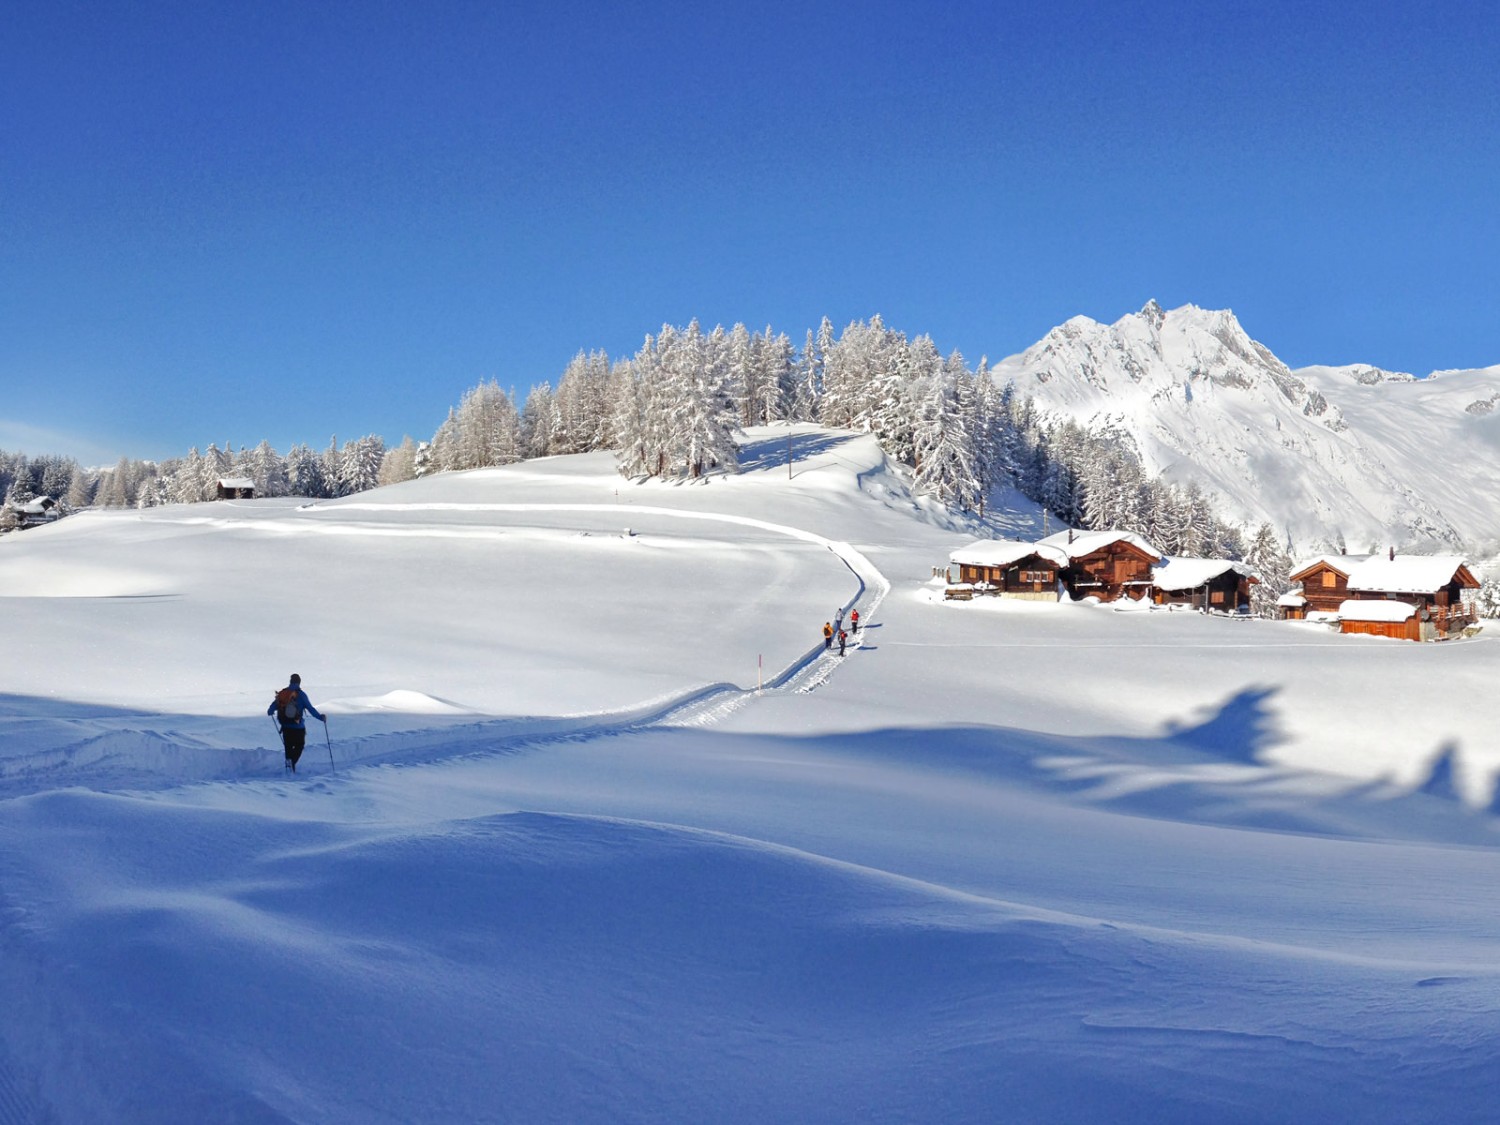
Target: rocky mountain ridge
{"x": 1331, "y": 456}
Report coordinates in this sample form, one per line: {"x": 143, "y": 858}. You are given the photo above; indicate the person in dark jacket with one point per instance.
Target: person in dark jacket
{"x": 289, "y": 707}
{"x": 843, "y": 640}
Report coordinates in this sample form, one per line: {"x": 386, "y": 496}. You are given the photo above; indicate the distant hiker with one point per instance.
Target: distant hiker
{"x": 288, "y": 708}
{"x": 843, "y": 640}
{"x": 838, "y": 621}
{"x": 827, "y": 636}
{"x": 854, "y": 620}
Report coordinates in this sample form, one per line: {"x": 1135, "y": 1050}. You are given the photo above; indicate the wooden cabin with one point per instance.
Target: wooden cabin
{"x": 34, "y": 513}
{"x": 1417, "y": 597}
{"x": 1107, "y": 565}
{"x": 1383, "y": 618}
{"x": 235, "y": 488}
{"x": 1212, "y": 585}
{"x": 1434, "y": 584}
{"x": 1325, "y": 582}
{"x": 1008, "y": 568}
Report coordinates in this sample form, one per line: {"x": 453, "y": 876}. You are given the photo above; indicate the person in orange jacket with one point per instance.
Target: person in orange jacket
{"x": 827, "y": 635}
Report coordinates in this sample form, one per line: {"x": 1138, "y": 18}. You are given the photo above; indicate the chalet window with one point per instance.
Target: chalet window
{"x": 1035, "y": 576}
{"x": 1217, "y": 597}
{"x": 1329, "y": 579}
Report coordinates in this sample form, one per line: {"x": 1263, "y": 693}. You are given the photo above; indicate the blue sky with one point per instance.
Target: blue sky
{"x": 230, "y": 222}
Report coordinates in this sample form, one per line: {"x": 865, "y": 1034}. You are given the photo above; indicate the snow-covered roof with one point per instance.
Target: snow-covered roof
{"x": 1404, "y": 574}
{"x": 1087, "y": 542}
{"x": 1003, "y": 552}
{"x": 40, "y": 506}
{"x": 1371, "y": 609}
{"x": 1180, "y": 573}
{"x": 1291, "y": 600}
{"x": 236, "y": 482}
{"x": 1341, "y": 563}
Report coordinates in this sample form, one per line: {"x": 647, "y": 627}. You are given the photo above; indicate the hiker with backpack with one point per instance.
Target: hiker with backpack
{"x": 288, "y": 708}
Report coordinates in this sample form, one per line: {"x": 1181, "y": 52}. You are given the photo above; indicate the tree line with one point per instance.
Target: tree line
{"x": 672, "y": 410}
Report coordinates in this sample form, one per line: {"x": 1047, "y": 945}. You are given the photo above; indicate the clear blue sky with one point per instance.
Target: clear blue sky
{"x": 228, "y": 222}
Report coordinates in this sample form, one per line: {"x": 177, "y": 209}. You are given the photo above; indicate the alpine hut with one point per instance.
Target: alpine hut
{"x": 1009, "y": 568}
{"x": 1206, "y": 584}
{"x": 1107, "y": 565}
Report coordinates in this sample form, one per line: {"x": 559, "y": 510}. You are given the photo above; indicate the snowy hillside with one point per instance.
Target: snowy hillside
{"x": 1375, "y": 457}
{"x": 556, "y": 859}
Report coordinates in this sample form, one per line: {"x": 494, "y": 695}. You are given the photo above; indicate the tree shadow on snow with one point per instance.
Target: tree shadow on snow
{"x": 1238, "y": 731}
{"x": 777, "y": 452}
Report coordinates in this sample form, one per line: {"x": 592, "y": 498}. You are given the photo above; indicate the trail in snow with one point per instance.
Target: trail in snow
{"x": 128, "y": 750}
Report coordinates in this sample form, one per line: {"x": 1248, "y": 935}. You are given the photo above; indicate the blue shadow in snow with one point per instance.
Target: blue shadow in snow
{"x": 776, "y": 453}
{"x": 1241, "y": 728}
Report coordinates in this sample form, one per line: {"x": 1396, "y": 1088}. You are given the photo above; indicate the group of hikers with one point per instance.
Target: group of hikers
{"x": 292, "y": 704}
{"x": 835, "y": 630}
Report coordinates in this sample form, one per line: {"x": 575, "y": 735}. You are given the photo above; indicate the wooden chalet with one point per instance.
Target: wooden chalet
{"x": 1325, "y": 584}
{"x": 1212, "y": 585}
{"x": 33, "y": 513}
{"x": 1107, "y": 565}
{"x": 1416, "y": 597}
{"x": 1007, "y": 568}
{"x": 235, "y": 488}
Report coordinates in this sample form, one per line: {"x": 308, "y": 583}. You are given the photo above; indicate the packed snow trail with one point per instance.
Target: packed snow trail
{"x": 128, "y": 750}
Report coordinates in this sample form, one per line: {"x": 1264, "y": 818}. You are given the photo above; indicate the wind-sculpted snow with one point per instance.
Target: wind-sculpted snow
{"x": 556, "y": 859}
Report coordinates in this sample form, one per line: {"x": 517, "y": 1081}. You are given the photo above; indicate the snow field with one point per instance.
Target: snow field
{"x": 1053, "y": 862}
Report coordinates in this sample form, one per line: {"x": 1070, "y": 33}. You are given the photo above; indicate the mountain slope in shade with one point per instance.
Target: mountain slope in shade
{"x": 1325, "y": 454}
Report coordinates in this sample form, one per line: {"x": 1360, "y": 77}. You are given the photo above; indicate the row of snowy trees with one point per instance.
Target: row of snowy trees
{"x": 673, "y": 410}
{"x": 338, "y": 470}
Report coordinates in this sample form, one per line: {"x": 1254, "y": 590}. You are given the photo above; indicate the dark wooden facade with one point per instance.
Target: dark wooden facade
{"x": 1225, "y": 592}
{"x": 1115, "y": 570}
{"x": 1032, "y": 576}
{"x": 235, "y": 489}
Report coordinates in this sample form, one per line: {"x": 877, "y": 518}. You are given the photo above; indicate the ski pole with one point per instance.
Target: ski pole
{"x": 330, "y": 745}
{"x": 277, "y": 724}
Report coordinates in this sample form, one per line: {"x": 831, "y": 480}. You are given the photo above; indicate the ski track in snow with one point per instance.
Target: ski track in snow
{"x": 113, "y": 758}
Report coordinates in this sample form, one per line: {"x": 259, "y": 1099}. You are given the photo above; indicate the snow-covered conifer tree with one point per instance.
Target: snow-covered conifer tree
{"x": 538, "y": 421}
{"x": 399, "y": 463}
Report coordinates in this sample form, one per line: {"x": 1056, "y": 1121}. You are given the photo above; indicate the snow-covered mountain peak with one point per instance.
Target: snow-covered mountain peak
{"x": 1323, "y": 453}
{"x": 1154, "y": 354}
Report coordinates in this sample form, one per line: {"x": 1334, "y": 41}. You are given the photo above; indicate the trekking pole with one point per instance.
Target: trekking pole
{"x": 330, "y": 745}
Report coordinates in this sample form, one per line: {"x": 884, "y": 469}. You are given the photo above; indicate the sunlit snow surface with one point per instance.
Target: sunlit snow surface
{"x": 557, "y": 861}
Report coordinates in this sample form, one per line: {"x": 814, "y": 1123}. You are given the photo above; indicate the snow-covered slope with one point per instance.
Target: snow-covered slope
{"x": 1001, "y": 861}
{"x": 1354, "y": 452}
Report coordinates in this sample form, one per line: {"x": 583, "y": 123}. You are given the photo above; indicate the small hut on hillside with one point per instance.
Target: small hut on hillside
{"x": 235, "y": 488}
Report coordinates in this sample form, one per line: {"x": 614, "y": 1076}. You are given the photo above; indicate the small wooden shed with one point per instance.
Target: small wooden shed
{"x": 1380, "y": 618}
{"x": 235, "y": 488}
